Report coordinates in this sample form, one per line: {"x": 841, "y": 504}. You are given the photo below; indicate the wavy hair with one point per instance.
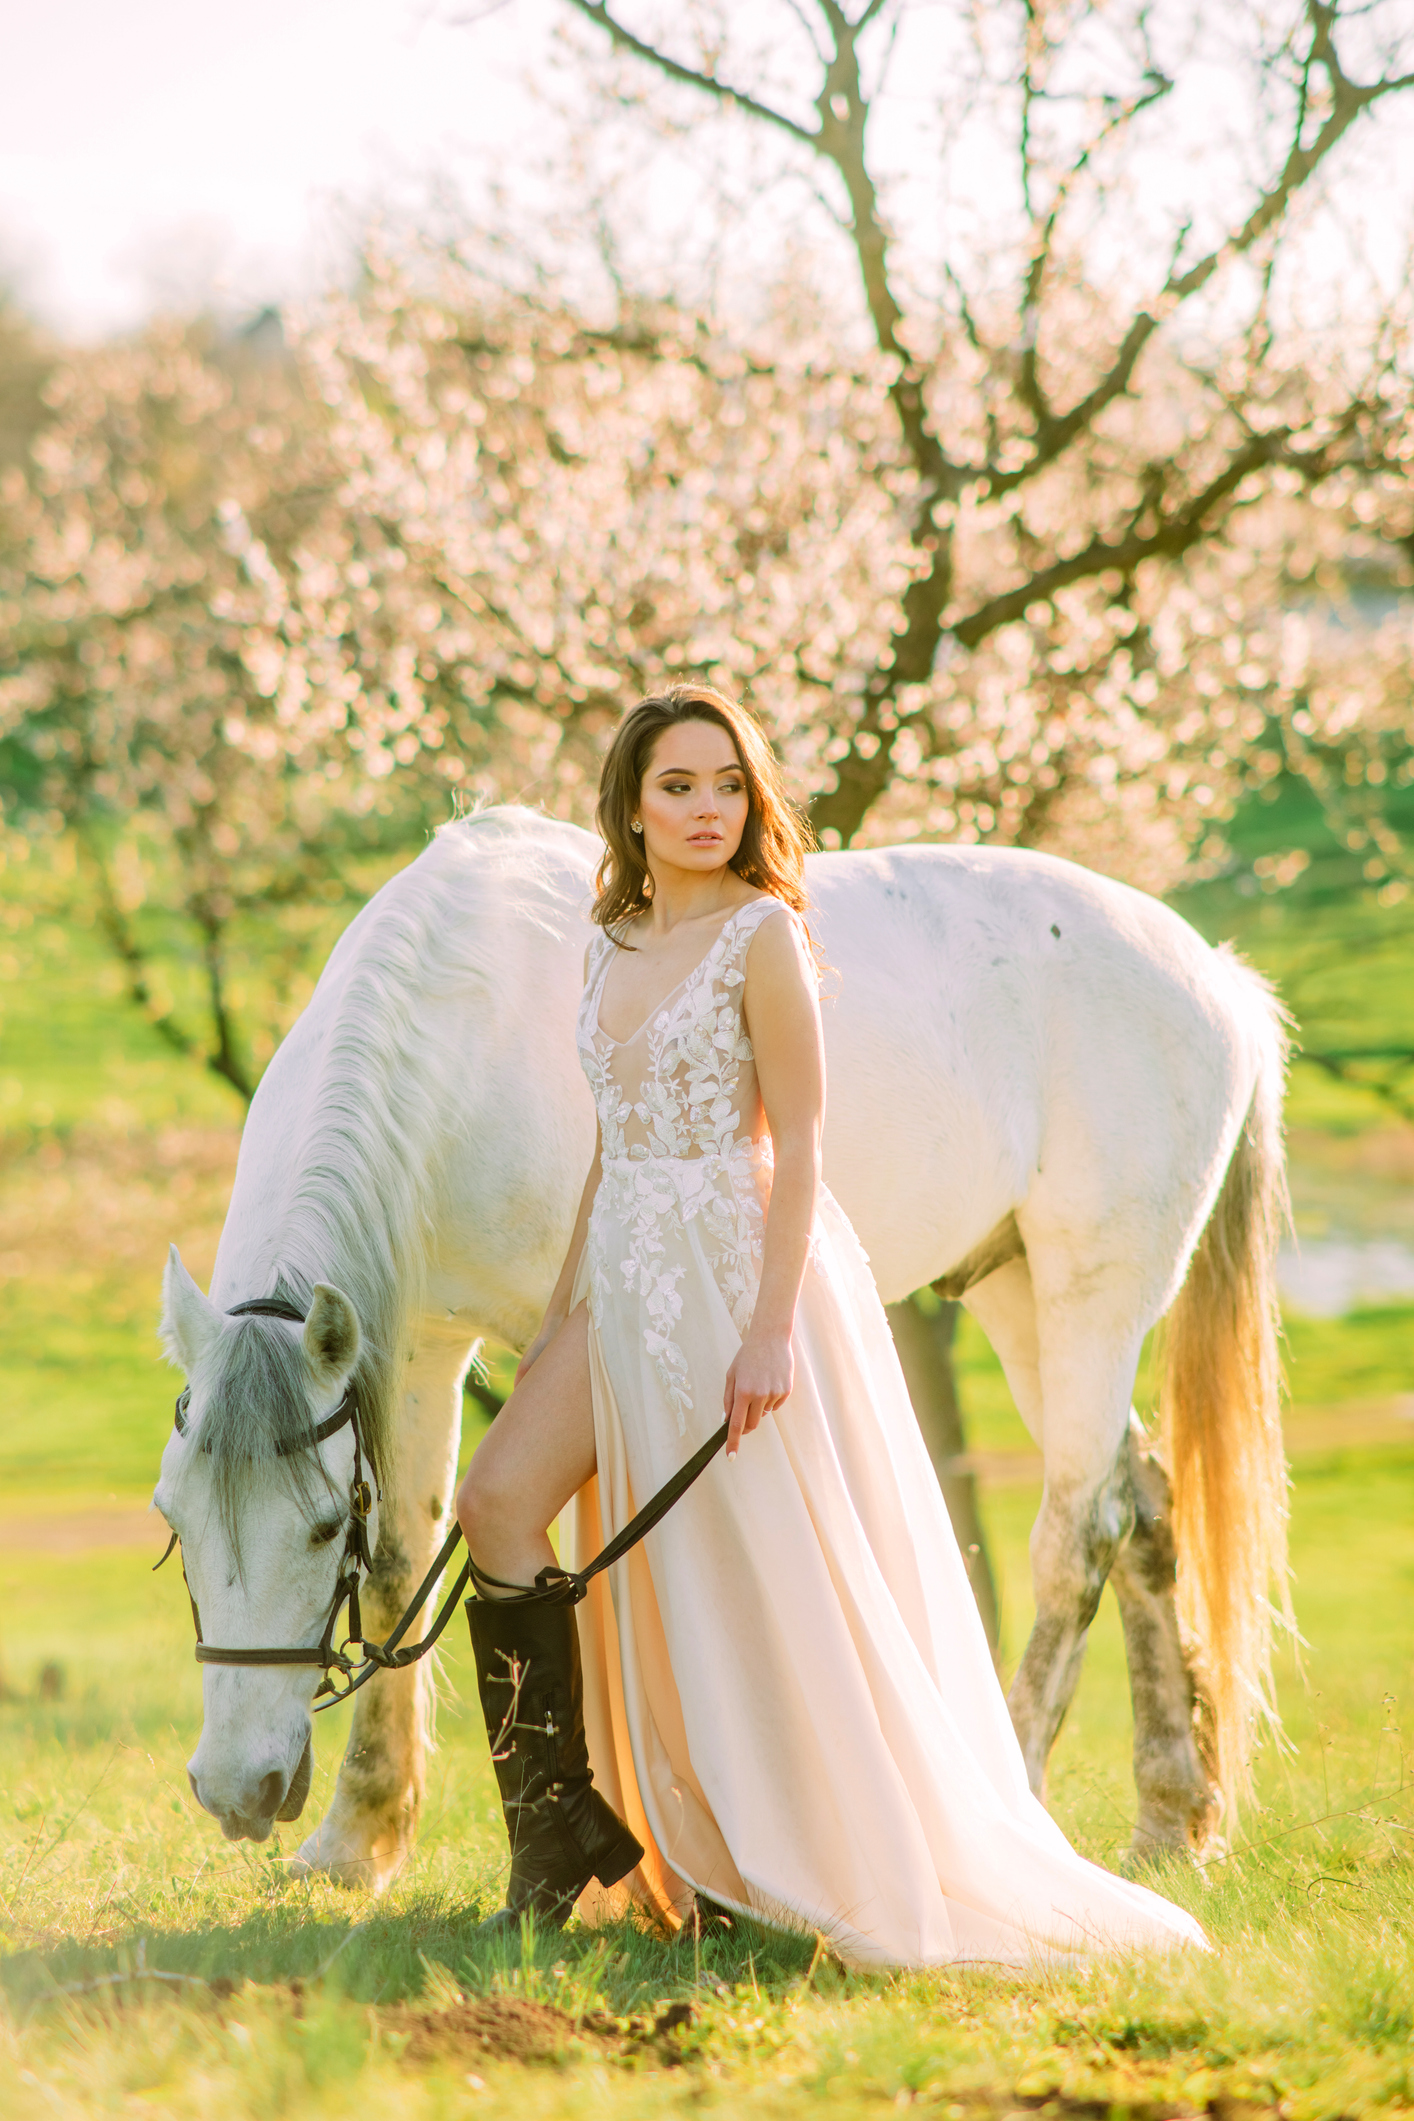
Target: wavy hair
{"x": 776, "y": 838}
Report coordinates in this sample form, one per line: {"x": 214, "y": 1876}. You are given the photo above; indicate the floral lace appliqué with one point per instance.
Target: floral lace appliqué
{"x": 687, "y": 1161}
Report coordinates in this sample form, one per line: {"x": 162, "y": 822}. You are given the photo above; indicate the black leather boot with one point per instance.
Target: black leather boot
{"x": 561, "y": 1830}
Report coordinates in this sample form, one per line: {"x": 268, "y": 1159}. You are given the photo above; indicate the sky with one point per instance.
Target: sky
{"x": 148, "y": 143}
{"x": 166, "y": 153}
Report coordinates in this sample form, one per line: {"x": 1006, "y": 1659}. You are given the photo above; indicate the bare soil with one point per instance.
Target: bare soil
{"x": 483, "y": 2028}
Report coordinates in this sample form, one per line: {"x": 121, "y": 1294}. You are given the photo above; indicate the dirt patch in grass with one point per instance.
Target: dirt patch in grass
{"x": 1061, "y": 2107}
{"x": 488, "y": 2028}
{"x": 516, "y": 2029}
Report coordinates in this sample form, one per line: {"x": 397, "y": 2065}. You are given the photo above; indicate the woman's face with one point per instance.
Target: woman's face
{"x": 693, "y": 804}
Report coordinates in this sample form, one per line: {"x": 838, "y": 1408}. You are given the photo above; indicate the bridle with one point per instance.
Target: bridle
{"x": 554, "y": 1586}
{"x": 356, "y": 1561}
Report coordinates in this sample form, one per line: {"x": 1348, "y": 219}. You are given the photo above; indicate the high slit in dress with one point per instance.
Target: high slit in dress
{"x": 788, "y": 1692}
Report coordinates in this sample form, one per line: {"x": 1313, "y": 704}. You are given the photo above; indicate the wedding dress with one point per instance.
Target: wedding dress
{"x": 788, "y": 1693}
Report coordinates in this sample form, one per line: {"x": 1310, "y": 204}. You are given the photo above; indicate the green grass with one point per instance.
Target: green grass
{"x": 74, "y": 1052}
{"x": 81, "y": 1361}
{"x": 1339, "y": 950}
{"x": 107, "y": 1870}
{"x": 1366, "y": 1354}
{"x": 310, "y": 2002}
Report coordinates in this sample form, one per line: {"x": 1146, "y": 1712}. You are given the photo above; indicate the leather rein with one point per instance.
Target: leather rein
{"x": 553, "y": 1586}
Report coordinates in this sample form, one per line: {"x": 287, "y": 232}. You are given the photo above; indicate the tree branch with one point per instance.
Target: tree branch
{"x": 1349, "y": 100}
{"x": 131, "y": 956}
{"x": 839, "y": 139}
{"x": 597, "y": 11}
{"x": 1029, "y": 382}
{"x": 1338, "y": 1066}
{"x": 1174, "y": 536}
{"x": 225, "y": 1061}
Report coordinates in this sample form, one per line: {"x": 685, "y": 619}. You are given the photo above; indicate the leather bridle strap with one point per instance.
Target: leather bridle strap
{"x": 356, "y": 1553}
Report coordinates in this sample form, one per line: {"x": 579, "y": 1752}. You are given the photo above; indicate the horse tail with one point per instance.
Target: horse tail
{"x": 1220, "y": 1403}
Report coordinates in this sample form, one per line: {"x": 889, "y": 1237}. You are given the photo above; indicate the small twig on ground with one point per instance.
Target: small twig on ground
{"x": 1355, "y": 1811}
{"x": 146, "y": 1973}
{"x": 79, "y": 1809}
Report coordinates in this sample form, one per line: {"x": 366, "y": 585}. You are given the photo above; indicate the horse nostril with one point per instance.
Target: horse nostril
{"x": 269, "y": 1795}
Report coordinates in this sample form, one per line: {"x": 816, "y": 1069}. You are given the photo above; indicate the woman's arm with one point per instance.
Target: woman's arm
{"x": 781, "y": 1004}
{"x": 558, "y": 1308}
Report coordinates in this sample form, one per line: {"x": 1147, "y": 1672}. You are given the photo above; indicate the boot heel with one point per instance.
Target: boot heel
{"x": 619, "y": 1858}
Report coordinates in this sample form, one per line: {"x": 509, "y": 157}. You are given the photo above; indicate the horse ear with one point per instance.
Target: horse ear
{"x": 190, "y": 1321}
{"x": 331, "y": 1335}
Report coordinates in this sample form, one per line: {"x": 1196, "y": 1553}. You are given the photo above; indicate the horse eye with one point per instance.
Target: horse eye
{"x": 323, "y": 1533}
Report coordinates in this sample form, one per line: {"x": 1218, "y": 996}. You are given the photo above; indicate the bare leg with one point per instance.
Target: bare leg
{"x": 368, "y": 1832}
{"x": 535, "y": 1458}
{"x": 539, "y": 1452}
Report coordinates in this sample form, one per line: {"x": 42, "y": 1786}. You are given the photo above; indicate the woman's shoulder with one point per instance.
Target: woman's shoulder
{"x": 600, "y": 945}
{"x": 768, "y": 938}
{"x": 762, "y": 904}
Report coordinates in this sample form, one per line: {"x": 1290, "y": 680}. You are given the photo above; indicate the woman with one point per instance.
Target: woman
{"x": 785, "y": 1691}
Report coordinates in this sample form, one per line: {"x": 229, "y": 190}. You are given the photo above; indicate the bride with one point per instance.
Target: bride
{"x": 782, "y": 1701}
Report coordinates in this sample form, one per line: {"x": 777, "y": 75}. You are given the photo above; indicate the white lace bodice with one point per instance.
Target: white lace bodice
{"x": 686, "y": 1177}
{"x": 684, "y": 1085}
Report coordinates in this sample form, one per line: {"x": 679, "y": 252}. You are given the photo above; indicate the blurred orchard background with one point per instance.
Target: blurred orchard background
{"x": 1012, "y": 401}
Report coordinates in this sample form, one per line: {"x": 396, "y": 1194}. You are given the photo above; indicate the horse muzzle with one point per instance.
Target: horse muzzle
{"x": 249, "y": 1812}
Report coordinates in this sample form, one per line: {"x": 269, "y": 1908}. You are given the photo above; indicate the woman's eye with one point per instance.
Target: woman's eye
{"x": 323, "y": 1533}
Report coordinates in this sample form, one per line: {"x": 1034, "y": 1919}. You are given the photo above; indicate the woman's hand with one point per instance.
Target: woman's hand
{"x": 758, "y": 1382}
{"x": 549, "y": 1327}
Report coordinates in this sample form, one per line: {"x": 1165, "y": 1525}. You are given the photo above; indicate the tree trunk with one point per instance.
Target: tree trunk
{"x": 924, "y": 1341}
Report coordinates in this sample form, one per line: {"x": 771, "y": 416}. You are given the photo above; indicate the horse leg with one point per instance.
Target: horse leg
{"x": 368, "y": 1832}
{"x": 1177, "y": 1803}
{"x": 924, "y": 1343}
{"x": 1087, "y": 1359}
{"x": 1176, "y": 1800}
{"x": 1004, "y": 1306}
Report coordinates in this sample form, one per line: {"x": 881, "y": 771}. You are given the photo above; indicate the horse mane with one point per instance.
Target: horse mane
{"x": 257, "y": 1411}
{"x": 360, "y": 1204}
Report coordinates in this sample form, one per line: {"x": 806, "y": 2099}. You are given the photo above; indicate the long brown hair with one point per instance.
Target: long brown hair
{"x": 776, "y": 838}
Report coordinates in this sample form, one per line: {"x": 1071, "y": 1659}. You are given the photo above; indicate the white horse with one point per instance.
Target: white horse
{"x": 1047, "y": 1095}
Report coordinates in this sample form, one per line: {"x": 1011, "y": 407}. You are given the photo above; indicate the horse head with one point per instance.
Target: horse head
{"x": 264, "y": 1508}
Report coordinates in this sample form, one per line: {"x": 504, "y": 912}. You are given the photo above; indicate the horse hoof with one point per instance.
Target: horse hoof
{"x": 330, "y": 1854}
{"x": 1151, "y": 1852}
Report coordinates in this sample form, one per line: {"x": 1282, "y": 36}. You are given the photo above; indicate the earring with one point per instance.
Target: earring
{"x": 635, "y": 826}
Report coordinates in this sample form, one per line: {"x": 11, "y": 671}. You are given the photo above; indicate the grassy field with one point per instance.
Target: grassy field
{"x": 148, "y": 1967}
{"x": 277, "y": 1996}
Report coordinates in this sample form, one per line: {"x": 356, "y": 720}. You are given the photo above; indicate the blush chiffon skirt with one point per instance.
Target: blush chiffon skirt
{"x": 789, "y": 1696}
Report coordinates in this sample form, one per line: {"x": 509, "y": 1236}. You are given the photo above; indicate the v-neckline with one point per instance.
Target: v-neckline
{"x": 661, "y": 1003}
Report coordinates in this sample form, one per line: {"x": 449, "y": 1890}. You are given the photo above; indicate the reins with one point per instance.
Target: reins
{"x": 553, "y": 1586}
